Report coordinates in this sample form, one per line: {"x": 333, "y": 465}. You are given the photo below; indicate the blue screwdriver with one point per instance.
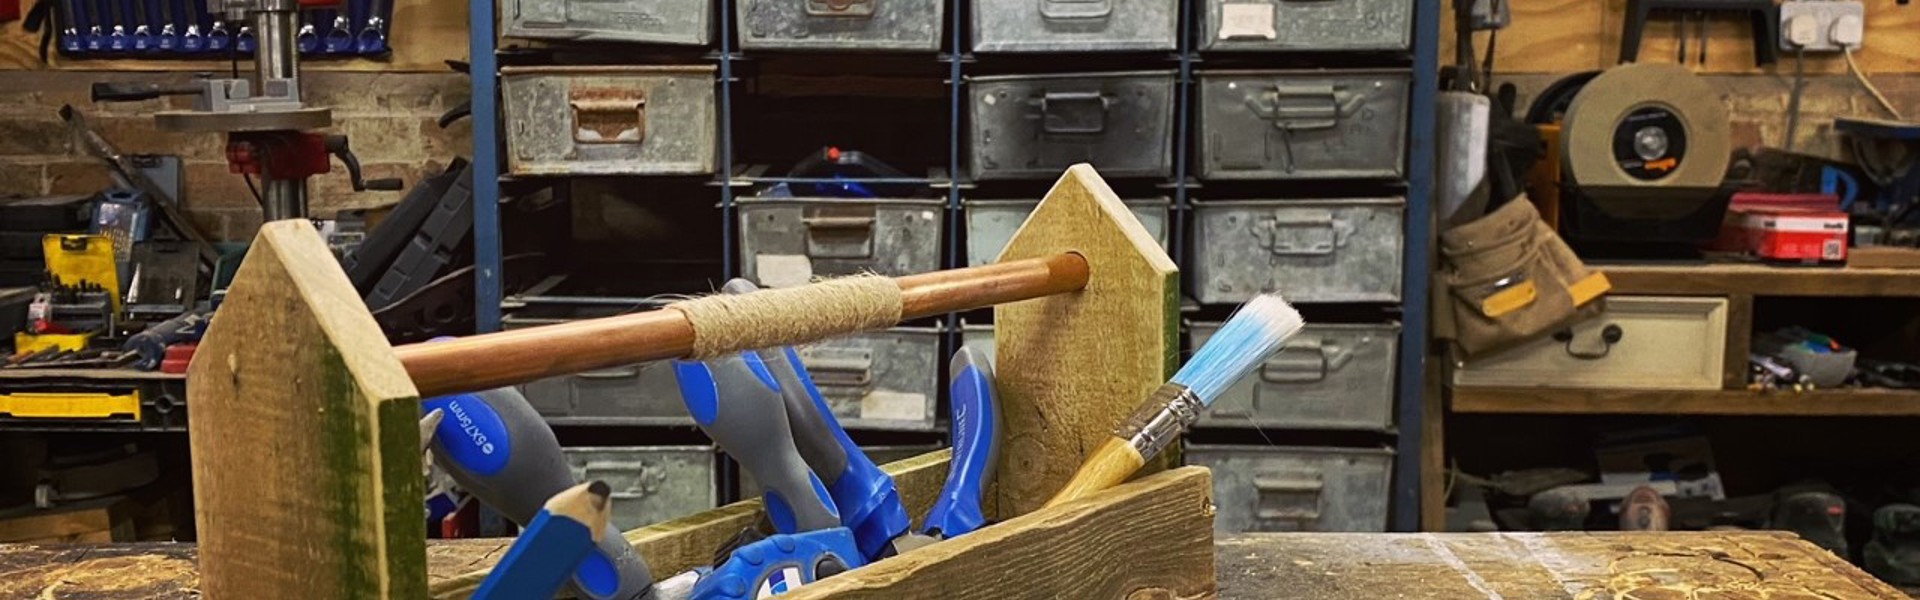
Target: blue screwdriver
{"x": 497, "y": 447}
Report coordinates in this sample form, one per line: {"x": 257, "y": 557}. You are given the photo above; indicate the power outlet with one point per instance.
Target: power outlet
{"x": 1822, "y": 14}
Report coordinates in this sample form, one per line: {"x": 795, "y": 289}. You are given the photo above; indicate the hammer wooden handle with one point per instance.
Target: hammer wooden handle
{"x": 493, "y": 360}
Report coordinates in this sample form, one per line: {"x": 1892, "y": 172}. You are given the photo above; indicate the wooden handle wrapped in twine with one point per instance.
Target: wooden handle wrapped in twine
{"x": 717, "y": 325}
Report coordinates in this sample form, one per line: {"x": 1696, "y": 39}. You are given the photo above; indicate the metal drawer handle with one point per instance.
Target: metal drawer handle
{"x": 840, "y": 8}
{"x": 614, "y": 373}
{"x": 1074, "y": 112}
{"x": 1302, "y": 233}
{"x": 839, "y": 236}
{"x": 841, "y": 371}
{"x": 1305, "y": 361}
{"x": 609, "y": 116}
{"x": 1305, "y": 107}
{"x": 1062, "y": 10}
{"x": 1609, "y": 335}
{"x": 1290, "y": 499}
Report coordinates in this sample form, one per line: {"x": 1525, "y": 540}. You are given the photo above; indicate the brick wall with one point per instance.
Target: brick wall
{"x": 388, "y": 118}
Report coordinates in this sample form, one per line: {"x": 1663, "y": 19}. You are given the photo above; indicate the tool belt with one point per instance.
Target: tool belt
{"x": 1507, "y": 278}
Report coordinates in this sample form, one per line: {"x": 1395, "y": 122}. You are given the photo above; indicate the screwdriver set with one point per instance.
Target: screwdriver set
{"x": 187, "y": 29}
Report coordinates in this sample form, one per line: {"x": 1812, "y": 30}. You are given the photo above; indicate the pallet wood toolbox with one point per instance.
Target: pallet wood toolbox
{"x": 307, "y": 472}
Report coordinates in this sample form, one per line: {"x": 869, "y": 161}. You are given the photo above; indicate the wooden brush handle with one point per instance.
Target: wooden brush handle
{"x": 1109, "y": 465}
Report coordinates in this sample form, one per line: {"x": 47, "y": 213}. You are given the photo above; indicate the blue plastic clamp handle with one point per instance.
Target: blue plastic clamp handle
{"x": 778, "y": 564}
{"x": 868, "y": 501}
{"x": 975, "y": 440}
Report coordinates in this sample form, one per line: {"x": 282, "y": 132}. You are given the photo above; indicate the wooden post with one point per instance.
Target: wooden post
{"x": 1071, "y": 366}
{"x": 295, "y": 395}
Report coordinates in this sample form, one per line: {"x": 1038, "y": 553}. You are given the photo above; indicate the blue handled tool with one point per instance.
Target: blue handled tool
{"x": 117, "y": 36}
{"x": 495, "y": 446}
{"x": 339, "y": 38}
{"x": 218, "y": 40}
{"x": 975, "y": 434}
{"x": 244, "y": 41}
{"x": 307, "y": 41}
{"x": 737, "y": 402}
{"x": 868, "y": 502}
{"x": 780, "y": 563}
{"x": 553, "y": 545}
{"x": 142, "y": 37}
{"x": 71, "y": 40}
{"x": 191, "y": 40}
{"x": 168, "y": 40}
{"x": 95, "y": 39}
{"x": 372, "y": 37}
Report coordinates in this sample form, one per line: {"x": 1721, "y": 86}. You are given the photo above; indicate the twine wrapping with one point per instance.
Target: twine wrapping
{"x": 724, "y": 324}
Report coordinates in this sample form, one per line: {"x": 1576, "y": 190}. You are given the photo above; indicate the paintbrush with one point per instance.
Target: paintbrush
{"x": 1257, "y": 330}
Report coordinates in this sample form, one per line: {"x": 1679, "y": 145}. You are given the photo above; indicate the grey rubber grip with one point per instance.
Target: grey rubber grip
{"x": 750, "y": 423}
{"x": 812, "y": 435}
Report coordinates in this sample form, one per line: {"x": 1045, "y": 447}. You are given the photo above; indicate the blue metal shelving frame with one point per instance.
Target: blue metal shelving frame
{"x": 1406, "y": 493}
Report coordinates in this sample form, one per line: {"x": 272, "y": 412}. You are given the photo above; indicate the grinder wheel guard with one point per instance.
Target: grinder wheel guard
{"x": 1647, "y": 125}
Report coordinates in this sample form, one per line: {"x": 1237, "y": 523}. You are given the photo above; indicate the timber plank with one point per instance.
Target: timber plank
{"x": 1813, "y": 403}
{"x": 1761, "y": 280}
{"x": 325, "y": 395}
{"x": 1079, "y": 363}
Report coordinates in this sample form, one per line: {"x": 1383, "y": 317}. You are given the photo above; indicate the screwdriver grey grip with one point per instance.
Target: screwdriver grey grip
{"x": 499, "y": 449}
{"x": 737, "y": 402}
{"x": 812, "y": 434}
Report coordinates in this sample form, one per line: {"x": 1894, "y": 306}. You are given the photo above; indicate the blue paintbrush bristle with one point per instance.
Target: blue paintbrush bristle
{"x": 1257, "y": 330}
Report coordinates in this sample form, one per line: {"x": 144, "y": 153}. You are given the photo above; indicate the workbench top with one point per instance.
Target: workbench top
{"x": 1306, "y": 566}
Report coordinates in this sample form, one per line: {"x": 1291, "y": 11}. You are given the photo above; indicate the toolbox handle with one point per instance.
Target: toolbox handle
{"x": 1074, "y": 112}
{"x": 1304, "y": 107}
{"x": 1306, "y": 224}
{"x": 1067, "y": 10}
{"x": 1284, "y": 491}
{"x": 840, "y": 369}
{"x": 609, "y": 116}
{"x": 1305, "y": 361}
{"x": 840, "y": 8}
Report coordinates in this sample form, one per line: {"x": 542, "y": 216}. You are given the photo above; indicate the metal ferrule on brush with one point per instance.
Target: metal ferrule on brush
{"x": 1161, "y": 419}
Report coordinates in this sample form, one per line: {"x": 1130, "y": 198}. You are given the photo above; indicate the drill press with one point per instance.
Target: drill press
{"x": 268, "y": 128}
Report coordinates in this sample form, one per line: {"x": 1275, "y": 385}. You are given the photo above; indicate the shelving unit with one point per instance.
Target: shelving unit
{"x": 1813, "y": 403}
{"x": 950, "y": 180}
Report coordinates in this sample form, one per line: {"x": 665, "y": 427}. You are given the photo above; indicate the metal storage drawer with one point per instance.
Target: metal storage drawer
{"x": 1659, "y": 343}
{"x": 1303, "y": 124}
{"x": 840, "y": 24}
{"x": 1328, "y": 377}
{"x": 1036, "y": 126}
{"x": 1073, "y": 25}
{"x": 879, "y": 379}
{"x": 650, "y": 483}
{"x": 682, "y": 22}
{"x": 1308, "y": 250}
{"x": 1312, "y": 25}
{"x": 637, "y": 394}
{"x": 991, "y": 223}
{"x": 1268, "y": 488}
{"x": 880, "y": 455}
{"x": 609, "y": 120}
{"x": 787, "y": 242}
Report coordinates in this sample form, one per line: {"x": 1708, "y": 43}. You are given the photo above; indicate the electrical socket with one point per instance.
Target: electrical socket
{"x": 1823, "y": 15}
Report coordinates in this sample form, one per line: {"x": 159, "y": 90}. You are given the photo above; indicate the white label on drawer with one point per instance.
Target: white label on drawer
{"x": 893, "y": 406}
{"x": 1247, "y": 20}
{"x": 783, "y": 270}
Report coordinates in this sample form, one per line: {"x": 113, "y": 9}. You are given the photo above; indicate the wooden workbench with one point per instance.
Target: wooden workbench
{"x": 1309, "y": 566}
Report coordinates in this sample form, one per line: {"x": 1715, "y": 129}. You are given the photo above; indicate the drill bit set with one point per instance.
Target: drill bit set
{"x": 162, "y": 29}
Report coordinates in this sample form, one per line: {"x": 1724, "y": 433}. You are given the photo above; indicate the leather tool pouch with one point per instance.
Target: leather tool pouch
{"x": 1507, "y": 278}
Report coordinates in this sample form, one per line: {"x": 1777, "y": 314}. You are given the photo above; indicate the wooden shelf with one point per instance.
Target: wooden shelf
{"x": 1761, "y": 280}
{"x": 1550, "y": 401}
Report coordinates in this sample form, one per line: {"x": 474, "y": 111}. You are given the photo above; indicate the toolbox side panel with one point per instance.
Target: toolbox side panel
{"x": 1028, "y": 127}
{"x": 1289, "y": 125}
{"x": 878, "y": 25}
{"x": 1074, "y": 25}
{"x": 1307, "y": 25}
{"x": 1311, "y": 251}
{"x": 1276, "y": 488}
{"x": 599, "y": 123}
{"x": 681, "y": 22}
{"x": 1327, "y": 377}
{"x": 650, "y": 483}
